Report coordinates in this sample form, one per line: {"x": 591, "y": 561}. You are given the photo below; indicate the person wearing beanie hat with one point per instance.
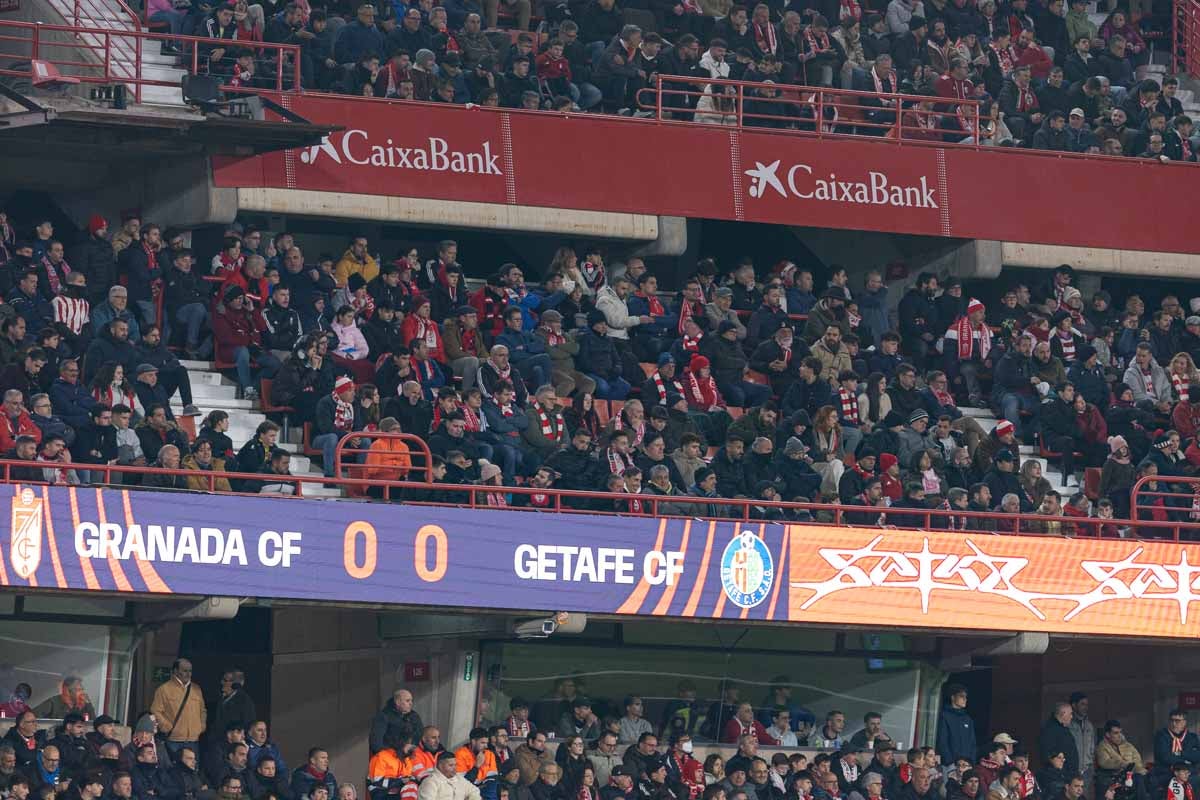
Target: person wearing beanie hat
{"x": 1088, "y": 376}
{"x": 1065, "y": 341}
{"x": 889, "y": 475}
{"x": 94, "y": 257}
{"x": 600, "y": 359}
{"x": 662, "y": 383}
{"x": 968, "y": 348}
{"x": 1117, "y": 476}
{"x": 334, "y": 419}
{"x": 237, "y": 336}
{"x": 855, "y": 478}
{"x": 912, "y": 436}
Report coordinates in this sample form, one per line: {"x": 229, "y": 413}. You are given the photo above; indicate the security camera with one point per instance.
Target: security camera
{"x": 545, "y": 627}
{"x": 535, "y": 628}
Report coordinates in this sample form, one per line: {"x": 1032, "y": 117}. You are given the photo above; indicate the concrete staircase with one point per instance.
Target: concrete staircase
{"x": 212, "y": 391}
{"x": 987, "y": 420}
{"x": 108, "y": 14}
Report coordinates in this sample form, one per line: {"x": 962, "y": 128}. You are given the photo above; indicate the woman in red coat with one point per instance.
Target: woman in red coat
{"x": 420, "y": 325}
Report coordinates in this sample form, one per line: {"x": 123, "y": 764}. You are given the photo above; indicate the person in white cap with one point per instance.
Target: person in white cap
{"x": 967, "y": 346}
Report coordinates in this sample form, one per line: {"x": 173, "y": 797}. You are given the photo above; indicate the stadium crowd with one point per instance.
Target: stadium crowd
{"x": 609, "y": 749}
{"x": 1045, "y": 74}
{"x": 746, "y": 383}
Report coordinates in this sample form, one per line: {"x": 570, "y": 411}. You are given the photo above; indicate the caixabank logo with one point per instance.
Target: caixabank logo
{"x": 433, "y": 154}
{"x": 802, "y": 181}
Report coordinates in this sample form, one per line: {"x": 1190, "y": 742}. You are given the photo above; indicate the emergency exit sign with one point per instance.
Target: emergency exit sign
{"x": 1189, "y": 701}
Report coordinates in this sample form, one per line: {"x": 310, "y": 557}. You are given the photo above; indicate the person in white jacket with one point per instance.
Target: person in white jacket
{"x": 444, "y": 782}
{"x": 611, "y": 301}
{"x": 713, "y": 61}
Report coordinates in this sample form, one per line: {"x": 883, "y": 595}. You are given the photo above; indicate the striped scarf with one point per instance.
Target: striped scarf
{"x": 55, "y": 275}
{"x": 849, "y": 406}
{"x": 73, "y": 312}
{"x": 553, "y": 338}
{"x": 617, "y": 462}
{"x": 691, "y": 345}
{"x": 764, "y": 37}
{"x": 593, "y": 275}
{"x": 686, "y": 312}
{"x": 427, "y": 330}
{"x": 656, "y": 306}
{"x": 703, "y": 391}
{"x": 1181, "y": 386}
{"x": 661, "y": 387}
{"x": 1068, "y": 347}
{"x": 343, "y": 414}
{"x": 552, "y": 426}
{"x": 424, "y": 369}
{"x": 472, "y": 419}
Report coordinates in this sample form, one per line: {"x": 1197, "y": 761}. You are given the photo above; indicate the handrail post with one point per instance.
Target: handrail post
{"x": 658, "y": 93}
{"x": 137, "y": 71}
{"x": 37, "y": 41}
{"x": 741, "y": 97}
{"x": 820, "y": 111}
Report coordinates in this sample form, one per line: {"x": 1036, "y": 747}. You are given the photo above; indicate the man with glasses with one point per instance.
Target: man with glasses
{"x": 178, "y": 706}
{"x": 1174, "y": 743}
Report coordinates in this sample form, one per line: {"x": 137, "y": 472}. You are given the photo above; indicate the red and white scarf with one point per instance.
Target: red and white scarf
{"x": 553, "y": 338}
{"x": 1067, "y": 342}
{"x": 689, "y": 344}
{"x": 661, "y": 387}
{"x": 849, "y": 406}
{"x": 427, "y": 330}
{"x": 593, "y": 275}
{"x": 424, "y": 369}
{"x": 230, "y": 264}
{"x": 686, "y": 312}
{"x": 552, "y": 425}
{"x": 111, "y": 396}
{"x": 656, "y": 306}
{"x": 703, "y": 391}
{"x": 1148, "y": 381}
{"x": 1004, "y": 57}
{"x": 618, "y": 462}
{"x": 849, "y": 9}
{"x": 394, "y": 79}
{"x": 343, "y": 414}
{"x": 967, "y": 334}
{"x": 467, "y": 340}
{"x": 472, "y": 419}
{"x": 635, "y": 502}
{"x": 638, "y": 431}
{"x": 55, "y": 468}
{"x": 889, "y": 79}
{"x": 505, "y": 374}
{"x": 1026, "y": 99}
{"x": 817, "y": 42}
{"x": 1177, "y": 790}
{"x": 1181, "y": 386}
{"x": 764, "y": 37}
{"x": 56, "y": 274}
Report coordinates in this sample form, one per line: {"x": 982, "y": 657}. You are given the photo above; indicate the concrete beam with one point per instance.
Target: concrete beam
{"x": 1110, "y": 262}
{"x": 450, "y": 214}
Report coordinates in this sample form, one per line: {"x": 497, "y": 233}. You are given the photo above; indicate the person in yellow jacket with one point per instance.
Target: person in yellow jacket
{"x": 356, "y": 261}
{"x": 478, "y": 764}
{"x": 391, "y": 769}
{"x": 178, "y": 706}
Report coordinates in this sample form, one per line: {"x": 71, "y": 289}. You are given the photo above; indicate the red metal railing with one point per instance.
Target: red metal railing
{"x": 35, "y": 40}
{"x": 584, "y": 502}
{"x": 1185, "y": 37}
{"x": 92, "y": 14}
{"x": 825, "y": 112}
{"x": 1175, "y": 497}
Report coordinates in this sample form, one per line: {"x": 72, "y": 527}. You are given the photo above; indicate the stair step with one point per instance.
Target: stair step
{"x": 210, "y": 393}
{"x": 197, "y": 366}
{"x": 208, "y": 379}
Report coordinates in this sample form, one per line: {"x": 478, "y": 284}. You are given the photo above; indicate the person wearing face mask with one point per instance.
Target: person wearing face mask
{"x": 682, "y": 768}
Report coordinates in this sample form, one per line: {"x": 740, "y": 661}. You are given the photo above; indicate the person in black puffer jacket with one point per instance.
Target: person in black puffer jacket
{"x": 94, "y": 257}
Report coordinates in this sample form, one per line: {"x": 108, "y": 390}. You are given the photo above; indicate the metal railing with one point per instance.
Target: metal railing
{"x": 1185, "y": 37}
{"x": 22, "y": 42}
{"x": 1176, "y": 498}
{"x": 824, "y": 112}
{"x": 530, "y": 498}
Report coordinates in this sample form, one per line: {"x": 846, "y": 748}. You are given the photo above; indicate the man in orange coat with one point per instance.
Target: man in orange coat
{"x": 477, "y": 763}
{"x": 391, "y": 769}
{"x": 388, "y": 459}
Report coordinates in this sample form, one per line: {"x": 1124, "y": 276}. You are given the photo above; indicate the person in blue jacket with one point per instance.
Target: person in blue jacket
{"x": 956, "y": 729}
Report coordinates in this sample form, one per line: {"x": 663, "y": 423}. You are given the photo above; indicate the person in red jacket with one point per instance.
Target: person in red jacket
{"x": 489, "y": 300}
{"x": 1185, "y": 417}
{"x": 1030, "y": 54}
{"x": 251, "y": 281}
{"x": 237, "y": 332}
{"x": 420, "y": 325}
{"x": 744, "y": 724}
{"x": 16, "y": 421}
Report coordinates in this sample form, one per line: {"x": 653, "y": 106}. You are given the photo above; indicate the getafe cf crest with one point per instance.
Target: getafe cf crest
{"x": 25, "y": 545}
{"x": 747, "y": 570}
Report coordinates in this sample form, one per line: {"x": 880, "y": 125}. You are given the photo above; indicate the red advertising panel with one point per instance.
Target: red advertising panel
{"x": 615, "y": 164}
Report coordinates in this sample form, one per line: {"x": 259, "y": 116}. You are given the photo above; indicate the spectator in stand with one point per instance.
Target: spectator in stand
{"x": 1055, "y": 737}
{"x": 141, "y": 266}
{"x": 237, "y": 331}
{"x": 525, "y": 351}
{"x": 601, "y": 360}
{"x": 463, "y": 344}
{"x": 729, "y": 368}
{"x": 29, "y": 304}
